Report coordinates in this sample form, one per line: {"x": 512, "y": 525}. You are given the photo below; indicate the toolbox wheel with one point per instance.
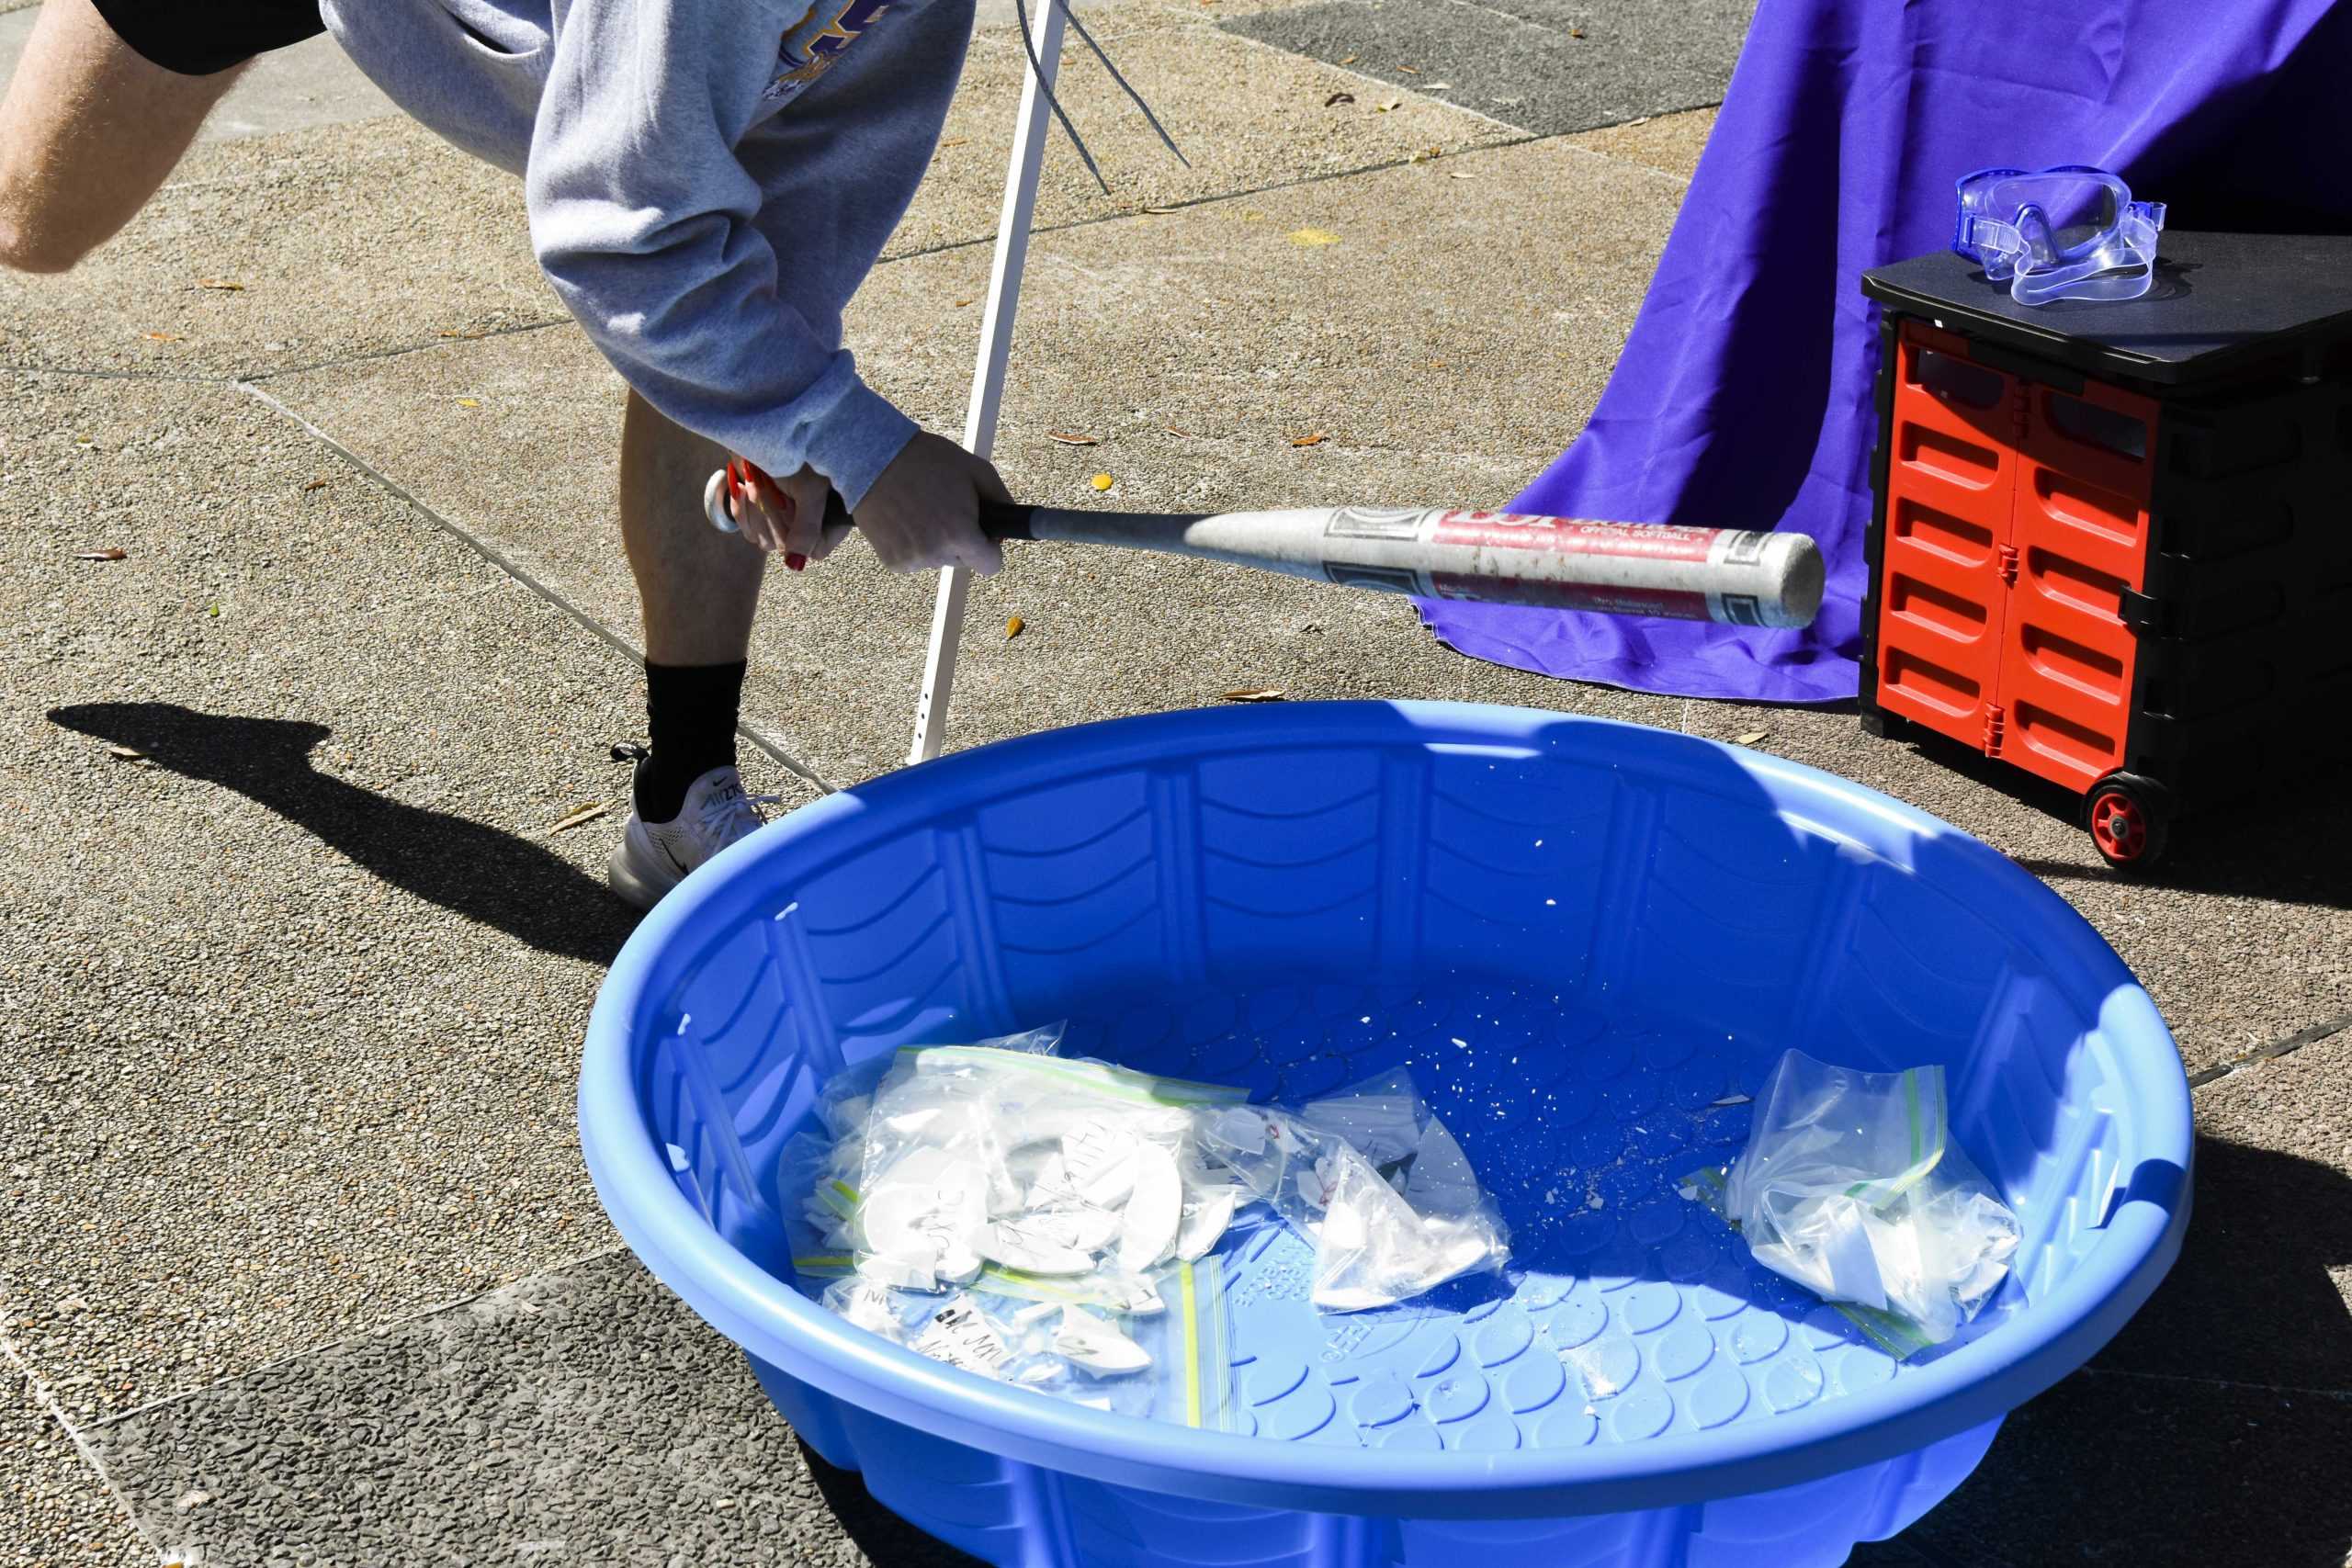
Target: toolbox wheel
{"x": 2128, "y": 817}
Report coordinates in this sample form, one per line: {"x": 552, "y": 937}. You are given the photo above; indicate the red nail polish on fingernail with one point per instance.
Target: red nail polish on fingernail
{"x": 795, "y": 561}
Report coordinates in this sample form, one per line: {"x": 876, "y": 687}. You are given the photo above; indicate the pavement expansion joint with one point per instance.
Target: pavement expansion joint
{"x": 1242, "y": 194}
{"x": 497, "y": 557}
{"x": 46, "y": 1397}
{"x": 2342, "y": 1396}
{"x": 398, "y": 350}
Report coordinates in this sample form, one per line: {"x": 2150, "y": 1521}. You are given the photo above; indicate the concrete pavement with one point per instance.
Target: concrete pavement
{"x": 304, "y": 983}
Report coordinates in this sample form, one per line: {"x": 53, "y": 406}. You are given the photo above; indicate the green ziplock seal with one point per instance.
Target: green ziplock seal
{"x": 1100, "y": 1077}
{"x": 1923, "y": 1160}
{"x": 828, "y": 1265}
{"x": 1207, "y": 1355}
{"x": 1890, "y": 1332}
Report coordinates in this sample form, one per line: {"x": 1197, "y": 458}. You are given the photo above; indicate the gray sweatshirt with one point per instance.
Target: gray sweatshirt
{"x": 708, "y": 182}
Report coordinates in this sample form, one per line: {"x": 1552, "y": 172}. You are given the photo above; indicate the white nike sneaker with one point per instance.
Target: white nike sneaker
{"x": 654, "y": 857}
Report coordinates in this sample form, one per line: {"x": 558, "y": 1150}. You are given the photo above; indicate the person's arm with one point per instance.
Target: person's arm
{"x": 89, "y": 131}
{"x": 641, "y": 214}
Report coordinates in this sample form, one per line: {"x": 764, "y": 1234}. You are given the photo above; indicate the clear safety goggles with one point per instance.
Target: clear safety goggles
{"x": 2065, "y": 233}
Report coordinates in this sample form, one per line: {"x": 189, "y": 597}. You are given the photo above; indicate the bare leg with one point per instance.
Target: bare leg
{"x": 698, "y": 587}
{"x": 89, "y": 130}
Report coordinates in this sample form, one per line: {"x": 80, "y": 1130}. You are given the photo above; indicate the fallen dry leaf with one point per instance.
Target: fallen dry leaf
{"x": 1254, "y": 694}
{"x": 469, "y": 402}
{"x": 223, "y": 285}
{"x": 1071, "y": 438}
{"x": 1313, "y": 237}
{"x": 1102, "y": 481}
{"x": 314, "y": 484}
{"x": 1013, "y": 626}
{"x": 1751, "y": 737}
{"x": 959, "y": 304}
{"x": 1159, "y": 211}
{"x": 125, "y": 754}
{"x": 1174, "y": 430}
{"x": 111, "y": 552}
{"x": 1347, "y": 60}
{"x": 1439, "y": 87}
{"x": 1576, "y": 32}
{"x": 1410, "y": 70}
{"x": 163, "y": 337}
{"x": 1314, "y": 440}
{"x": 1438, "y": 364}
{"x": 456, "y": 333}
{"x": 1335, "y": 99}
{"x": 955, "y": 142}
{"x": 1458, "y": 175}
{"x": 1391, "y": 104}
{"x": 579, "y": 814}
{"x": 1425, "y": 155}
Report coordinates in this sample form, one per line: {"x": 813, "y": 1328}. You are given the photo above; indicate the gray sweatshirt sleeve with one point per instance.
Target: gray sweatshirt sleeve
{"x": 641, "y": 214}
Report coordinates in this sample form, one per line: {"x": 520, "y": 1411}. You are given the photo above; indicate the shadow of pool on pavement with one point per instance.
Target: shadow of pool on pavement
{"x": 2217, "y": 1428}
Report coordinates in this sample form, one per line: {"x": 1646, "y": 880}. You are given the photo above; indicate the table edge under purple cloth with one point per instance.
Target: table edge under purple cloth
{"x": 1744, "y": 397}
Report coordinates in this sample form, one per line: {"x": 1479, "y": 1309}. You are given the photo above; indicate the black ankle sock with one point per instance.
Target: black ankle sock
{"x": 690, "y": 712}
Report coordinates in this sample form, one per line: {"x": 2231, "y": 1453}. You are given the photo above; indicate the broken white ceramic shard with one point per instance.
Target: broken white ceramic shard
{"x": 1154, "y": 1210}
{"x": 1206, "y": 1221}
{"x": 1093, "y": 1343}
{"x": 1099, "y": 1156}
{"x": 960, "y": 1262}
{"x": 1235, "y": 1130}
{"x": 907, "y": 1272}
{"x": 1013, "y": 1243}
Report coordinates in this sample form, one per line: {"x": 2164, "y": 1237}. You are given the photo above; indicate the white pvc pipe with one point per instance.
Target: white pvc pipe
{"x": 1029, "y": 136}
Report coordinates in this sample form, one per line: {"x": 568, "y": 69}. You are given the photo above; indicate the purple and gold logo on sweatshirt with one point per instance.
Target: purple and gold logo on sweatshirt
{"x": 811, "y": 45}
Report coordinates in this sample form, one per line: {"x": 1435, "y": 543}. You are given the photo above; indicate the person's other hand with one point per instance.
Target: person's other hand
{"x": 924, "y": 510}
{"x": 785, "y": 516}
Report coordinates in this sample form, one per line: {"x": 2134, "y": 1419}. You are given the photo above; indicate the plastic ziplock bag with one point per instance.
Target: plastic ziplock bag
{"x": 1173, "y": 1366}
{"x": 999, "y": 1165}
{"x": 1377, "y": 1181}
{"x": 1852, "y": 1186}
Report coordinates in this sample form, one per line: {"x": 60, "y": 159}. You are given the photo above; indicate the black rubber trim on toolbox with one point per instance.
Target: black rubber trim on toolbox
{"x": 1874, "y": 541}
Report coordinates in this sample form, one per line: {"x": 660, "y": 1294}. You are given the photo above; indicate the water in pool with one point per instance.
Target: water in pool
{"x": 1626, "y": 1312}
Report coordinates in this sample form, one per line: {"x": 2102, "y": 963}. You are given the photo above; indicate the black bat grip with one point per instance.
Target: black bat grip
{"x": 999, "y": 519}
{"x": 1007, "y": 520}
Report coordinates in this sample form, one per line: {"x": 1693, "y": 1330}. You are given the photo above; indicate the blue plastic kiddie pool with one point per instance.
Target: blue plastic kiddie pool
{"x": 1589, "y": 940}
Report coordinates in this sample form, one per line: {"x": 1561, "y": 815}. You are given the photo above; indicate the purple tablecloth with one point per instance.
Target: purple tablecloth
{"x": 1743, "y": 397}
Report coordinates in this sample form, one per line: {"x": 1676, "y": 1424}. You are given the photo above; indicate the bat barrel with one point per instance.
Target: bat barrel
{"x": 1627, "y": 569}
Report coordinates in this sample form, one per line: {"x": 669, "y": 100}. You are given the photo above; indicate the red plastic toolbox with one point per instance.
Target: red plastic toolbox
{"x": 2113, "y": 544}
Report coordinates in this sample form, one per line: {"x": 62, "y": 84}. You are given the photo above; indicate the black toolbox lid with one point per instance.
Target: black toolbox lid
{"x": 2220, "y": 302}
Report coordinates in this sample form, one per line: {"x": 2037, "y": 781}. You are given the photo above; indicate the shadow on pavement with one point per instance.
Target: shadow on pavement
{"x": 481, "y": 873}
{"x": 2217, "y": 1425}
{"x": 2283, "y": 844}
